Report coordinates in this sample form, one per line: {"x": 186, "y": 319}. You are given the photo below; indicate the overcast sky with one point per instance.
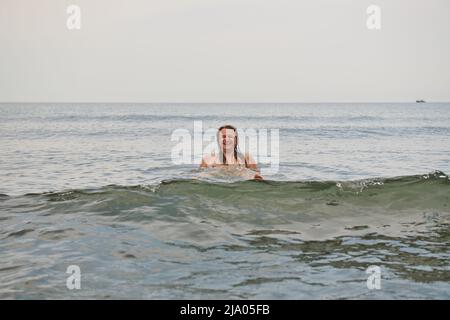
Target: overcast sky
{"x": 224, "y": 51}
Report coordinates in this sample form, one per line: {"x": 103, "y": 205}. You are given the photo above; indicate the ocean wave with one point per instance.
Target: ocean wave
{"x": 417, "y": 192}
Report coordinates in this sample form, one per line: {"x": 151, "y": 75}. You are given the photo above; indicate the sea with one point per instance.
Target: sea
{"x": 107, "y": 201}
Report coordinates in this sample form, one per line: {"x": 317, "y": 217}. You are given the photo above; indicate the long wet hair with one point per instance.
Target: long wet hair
{"x": 227, "y": 126}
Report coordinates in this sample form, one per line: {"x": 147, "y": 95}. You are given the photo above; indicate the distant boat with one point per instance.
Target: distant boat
{"x": 420, "y": 101}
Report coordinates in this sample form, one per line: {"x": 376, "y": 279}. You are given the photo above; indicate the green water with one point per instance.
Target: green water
{"x": 198, "y": 239}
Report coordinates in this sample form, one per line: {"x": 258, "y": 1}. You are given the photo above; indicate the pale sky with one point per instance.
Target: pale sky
{"x": 224, "y": 51}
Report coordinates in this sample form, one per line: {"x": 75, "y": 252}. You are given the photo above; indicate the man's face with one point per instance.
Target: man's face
{"x": 227, "y": 139}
